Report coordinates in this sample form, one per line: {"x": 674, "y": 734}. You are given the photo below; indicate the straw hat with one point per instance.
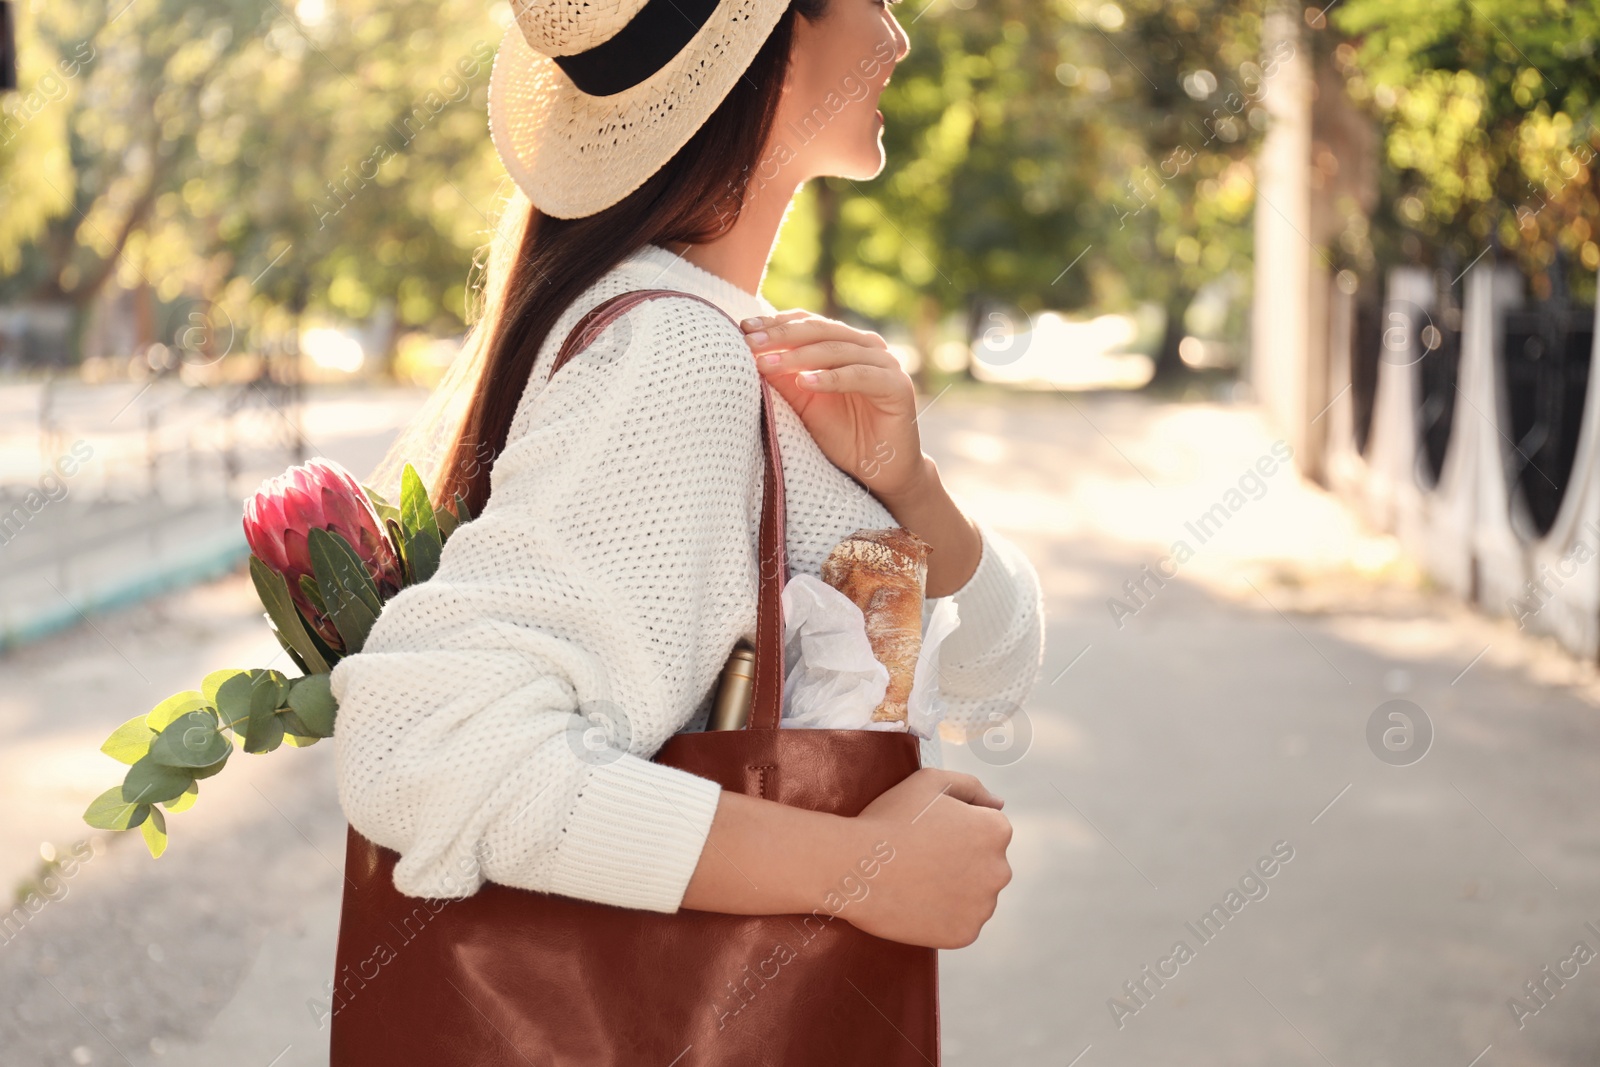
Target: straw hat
{"x": 588, "y": 98}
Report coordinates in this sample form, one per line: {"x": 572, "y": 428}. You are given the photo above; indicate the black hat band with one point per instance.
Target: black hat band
{"x": 646, "y": 44}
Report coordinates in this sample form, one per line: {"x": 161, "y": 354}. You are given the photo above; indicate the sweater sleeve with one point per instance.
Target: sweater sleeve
{"x": 989, "y": 664}
{"x": 500, "y": 720}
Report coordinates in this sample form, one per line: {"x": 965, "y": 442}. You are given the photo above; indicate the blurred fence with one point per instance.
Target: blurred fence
{"x": 112, "y": 491}
{"x": 1466, "y": 421}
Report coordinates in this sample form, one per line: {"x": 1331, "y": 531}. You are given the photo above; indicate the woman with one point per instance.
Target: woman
{"x": 612, "y": 564}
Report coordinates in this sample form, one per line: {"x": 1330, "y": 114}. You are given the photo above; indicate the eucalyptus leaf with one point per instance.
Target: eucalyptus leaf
{"x": 211, "y": 683}
{"x": 296, "y": 734}
{"x": 164, "y": 713}
{"x": 155, "y": 833}
{"x": 312, "y": 701}
{"x": 211, "y": 769}
{"x": 192, "y": 740}
{"x": 129, "y": 742}
{"x": 265, "y": 732}
{"x": 233, "y": 701}
{"x": 109, "y": 811}
{"x": 269, "y": 690}
{"x": 285, "y": 614}
{"x": 185, "y": 800}
{"x": 148, "y": 782}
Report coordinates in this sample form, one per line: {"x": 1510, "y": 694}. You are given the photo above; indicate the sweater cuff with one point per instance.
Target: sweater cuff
{"x": 987, "y": 604}
{"x": 635, "y": 836}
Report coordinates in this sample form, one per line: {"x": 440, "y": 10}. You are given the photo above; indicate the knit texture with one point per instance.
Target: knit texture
{"x": 501, "y": 717}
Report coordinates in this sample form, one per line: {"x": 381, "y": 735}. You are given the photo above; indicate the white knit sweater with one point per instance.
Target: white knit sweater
{"x": 597, "y": 596}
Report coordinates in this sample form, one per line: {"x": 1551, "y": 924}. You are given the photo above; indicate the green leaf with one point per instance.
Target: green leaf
{"x": 381, "y": 505}
{"x": 269, "y": 690}
{"x": 211, "y": 683}
{"x": 264, "y": 732}
{"x": 166, "y": 712}
{"x": 215, "y": 768}
{"x": 148, "y": 782}
{"x": 233, "y": 701}
{"x": 423, "y": 540}
{"x": 347, "y": 589}
{"x": 312, "y": 702}
{"x": 463, "y": 510}
{"x": 447, "y": 523}
{"x": 298, "y": 661}
{"x": 193, "y": 740}
{"x": 129, "y": 742}
{"x": 155, "y": 833}
{"x": 109, "y": 811}
{"x": 296, "y": 734}
{"x": 397, "y": 537}
{"x": 185, "y": 800}
{"x": 285, "y": 615}
{"x": 308, "y": 589}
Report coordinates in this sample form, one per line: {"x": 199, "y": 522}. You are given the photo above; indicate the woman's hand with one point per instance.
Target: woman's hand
{"x": 852, "y": 395}
{"x": 949, "y": 860}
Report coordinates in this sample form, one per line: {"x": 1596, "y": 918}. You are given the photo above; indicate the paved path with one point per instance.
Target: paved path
{"x": 1168, "y": 756}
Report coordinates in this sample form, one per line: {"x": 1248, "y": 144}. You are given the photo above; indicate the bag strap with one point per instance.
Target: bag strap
{"x": 767, "y": 702}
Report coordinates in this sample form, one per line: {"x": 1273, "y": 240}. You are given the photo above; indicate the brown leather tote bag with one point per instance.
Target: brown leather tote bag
{"x": 508, "y": 976}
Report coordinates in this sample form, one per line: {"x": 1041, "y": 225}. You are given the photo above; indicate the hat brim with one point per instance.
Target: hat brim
{"x": 574, "y": 154}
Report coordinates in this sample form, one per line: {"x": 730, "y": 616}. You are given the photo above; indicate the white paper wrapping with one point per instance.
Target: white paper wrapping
{"x": 834, "y": 680}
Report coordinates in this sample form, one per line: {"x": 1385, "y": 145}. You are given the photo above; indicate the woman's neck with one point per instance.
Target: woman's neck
{"x": 740, "y": 255}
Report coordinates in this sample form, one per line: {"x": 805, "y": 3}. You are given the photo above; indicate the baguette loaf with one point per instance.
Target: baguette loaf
{"x": 884, "y": 573}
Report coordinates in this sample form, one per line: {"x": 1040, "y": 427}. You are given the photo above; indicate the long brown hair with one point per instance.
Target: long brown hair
{"x": 693, "y": 198}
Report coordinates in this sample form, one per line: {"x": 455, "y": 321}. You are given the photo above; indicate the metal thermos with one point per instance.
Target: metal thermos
{"x": 735, "y": 690}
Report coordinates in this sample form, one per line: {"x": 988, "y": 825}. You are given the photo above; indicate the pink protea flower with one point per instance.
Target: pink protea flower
{"x": 322, "y": 495}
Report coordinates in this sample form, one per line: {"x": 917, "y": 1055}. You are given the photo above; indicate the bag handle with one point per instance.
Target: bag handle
{"x": 773, "y": 561}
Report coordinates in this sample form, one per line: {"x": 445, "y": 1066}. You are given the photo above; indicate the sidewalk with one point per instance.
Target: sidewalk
{"x": 1172, "y": 744}
{"x": 113, "y": 531}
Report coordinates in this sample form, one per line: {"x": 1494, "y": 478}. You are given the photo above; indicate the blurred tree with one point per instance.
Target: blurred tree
{"x": 1056, "y": 155}
{"x": 989, "y": 161}
{"x": 274, "y": 157}
{"x": 1183, "y": 82}
{"x": 1489, "y": 109}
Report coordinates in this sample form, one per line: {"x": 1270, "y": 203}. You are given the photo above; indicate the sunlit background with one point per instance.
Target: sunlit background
{"x": 1133, "y": 254}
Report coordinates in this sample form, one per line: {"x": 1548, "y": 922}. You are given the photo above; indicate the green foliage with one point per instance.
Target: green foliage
{"x": 290, "y": 628}
{"x": 194, "y": 145}
{"x": 348, "y": 593}
{"x": 419, "y": 528}
{"x": 129, "y": 742}
{"x": 109, "y": 811}
{"x": 154, "y": 830}
{"x": 187, "y": 736}
{"x": 148, "y": 782}
{"x": 311, "y": 701}
{"x": 192, "y": 740}
{"x": 1489, "y": 110}
{"x": 171, "y": 709}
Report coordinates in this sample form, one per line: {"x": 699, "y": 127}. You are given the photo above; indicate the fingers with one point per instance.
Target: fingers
{"x": 791, "y": 330}
{"x": 965, "y": 788}
{"x": 877, "y": 383}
